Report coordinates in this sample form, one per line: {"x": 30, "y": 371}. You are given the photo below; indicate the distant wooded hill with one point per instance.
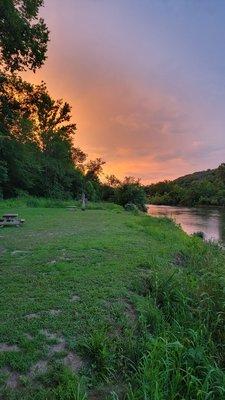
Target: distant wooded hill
{"x": 200, "y": 188}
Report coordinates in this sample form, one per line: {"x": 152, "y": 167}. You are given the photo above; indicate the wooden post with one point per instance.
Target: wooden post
{"x": 83, "y": 202}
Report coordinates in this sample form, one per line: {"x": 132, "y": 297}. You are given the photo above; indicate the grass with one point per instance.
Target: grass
{"x": 105, "y": 304}
{"x": 41, "y": 202}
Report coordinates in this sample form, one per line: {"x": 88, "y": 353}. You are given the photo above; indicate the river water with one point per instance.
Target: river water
{"x": 209, "y": 220}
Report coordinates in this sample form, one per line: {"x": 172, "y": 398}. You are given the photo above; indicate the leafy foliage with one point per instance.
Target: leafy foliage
{"x": 132, "y": 193}
{"x": 200, "y": 188}
{"x": 38, "y": 156}
{"x": 36, "y": 142}
{"x": 129, "y": 191}
{"x": 23, "y": 35}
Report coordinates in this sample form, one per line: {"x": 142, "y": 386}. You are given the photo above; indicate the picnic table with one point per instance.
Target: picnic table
{"x": 11, "y": 220}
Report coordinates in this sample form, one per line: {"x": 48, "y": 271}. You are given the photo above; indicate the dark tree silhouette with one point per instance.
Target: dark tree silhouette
{"x": 23, "y": 35}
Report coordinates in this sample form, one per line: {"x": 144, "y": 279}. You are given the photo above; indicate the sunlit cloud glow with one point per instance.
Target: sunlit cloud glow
{"x": 145, "y": 79}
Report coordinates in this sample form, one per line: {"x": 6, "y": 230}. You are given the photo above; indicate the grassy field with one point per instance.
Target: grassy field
{"x": 104, "y": 304}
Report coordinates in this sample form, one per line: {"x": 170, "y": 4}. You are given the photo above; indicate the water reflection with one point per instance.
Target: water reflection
{"x": 211, "y": 221}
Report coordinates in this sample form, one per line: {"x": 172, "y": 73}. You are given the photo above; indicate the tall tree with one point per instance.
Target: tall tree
{"x": 36, "y": 140}
{"x": 23, "y": 35}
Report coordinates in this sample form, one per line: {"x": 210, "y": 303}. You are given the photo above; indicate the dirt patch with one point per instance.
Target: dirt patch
{"x": 73, "y": 362}
{"x": 57, "y": 348}
{"x": 13, "y": 378}
{"x": 8, "y": 347}
{"x": 28, "y": 336}
{"x": 68, "y": 259}
{"x": 54, "y": 313}
{"x": 54, "y": 348}
{"x": 33, "y": 315}
{"x": 130, "y": 312}
{"x": 39, "y": 368}
{"x": 59, "y": 259}
{"x": 49, "y": 335}
{"x": 53, "y": 262}
{"x": 19, "y": 252}
{"x": 75, "y": 298}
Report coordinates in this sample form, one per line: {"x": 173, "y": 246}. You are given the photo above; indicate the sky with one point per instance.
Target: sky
{"x": 145, "y": 79}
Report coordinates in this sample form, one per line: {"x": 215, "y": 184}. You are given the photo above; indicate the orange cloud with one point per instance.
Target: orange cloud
{"x": 138, "y": 125}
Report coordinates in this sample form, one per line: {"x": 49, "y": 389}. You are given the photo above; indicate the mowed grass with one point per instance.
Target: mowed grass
{"x": 104, "y": 304}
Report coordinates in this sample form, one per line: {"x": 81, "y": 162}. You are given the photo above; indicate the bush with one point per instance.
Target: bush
{"x": 199, "y": 234}
{"x": 132, "y": 193}
{"x": 131, "y": 207}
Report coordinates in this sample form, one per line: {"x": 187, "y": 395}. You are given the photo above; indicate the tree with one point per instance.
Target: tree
{"x": 94, "y": 169}
{"x": 3, "y": 175}
{"x": 36, "y": 141}
{"x": 79, "y": 157}
{"x": 158, "y": 188}
{"x": 92, "y": 190}
{"x": 113, "y": 181}
{"x": 131, "y": 180}
{"x": 221, "y": 172}
{"x": 29, "y": 114}
{"x": 132, "y": 193}
{"x": 23, "y": 35}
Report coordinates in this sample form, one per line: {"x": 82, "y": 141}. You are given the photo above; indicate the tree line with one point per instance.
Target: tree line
{"x": 198, "y": 189}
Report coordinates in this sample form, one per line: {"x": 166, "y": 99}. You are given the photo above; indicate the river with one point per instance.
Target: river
{"x": 209, "y": 220}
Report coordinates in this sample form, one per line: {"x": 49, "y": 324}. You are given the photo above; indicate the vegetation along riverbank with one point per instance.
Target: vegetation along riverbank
{"x": 197, "y": 189}
{"x": 107, "y": 304}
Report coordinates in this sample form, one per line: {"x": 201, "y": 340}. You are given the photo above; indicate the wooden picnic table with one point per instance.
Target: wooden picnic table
{"x": 11, "y": 220}
{"x": 10, "y": 216}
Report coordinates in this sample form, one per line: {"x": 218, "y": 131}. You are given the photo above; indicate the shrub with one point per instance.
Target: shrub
{"x": 199, "y": 234}
{"x": 132, "y": 193}
{"x": 131, "y": 207}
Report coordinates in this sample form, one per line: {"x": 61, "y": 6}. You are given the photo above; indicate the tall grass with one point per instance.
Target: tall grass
{"x": 175, "y": 348}
{"x": 184, "y": 357}
{"x": 36, "y": 202}
{"x": 97, "y": 349}
{"x": 41, "y": 202}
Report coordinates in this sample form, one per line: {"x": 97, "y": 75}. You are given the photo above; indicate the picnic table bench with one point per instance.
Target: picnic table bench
{"x": 11, "y": 220}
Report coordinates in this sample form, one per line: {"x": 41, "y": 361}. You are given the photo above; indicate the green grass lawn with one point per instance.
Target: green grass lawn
{"x": 104, "y": 304}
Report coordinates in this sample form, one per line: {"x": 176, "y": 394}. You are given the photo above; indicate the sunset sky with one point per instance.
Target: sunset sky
{"x": 146, "y": 79}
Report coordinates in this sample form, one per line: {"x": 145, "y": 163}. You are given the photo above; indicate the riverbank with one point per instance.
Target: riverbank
{"x": 210, "y": 221}
{"x": 104, "y": 304}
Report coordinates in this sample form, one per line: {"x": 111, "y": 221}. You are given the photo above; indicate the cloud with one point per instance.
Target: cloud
{"x": 138, "y": 98}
